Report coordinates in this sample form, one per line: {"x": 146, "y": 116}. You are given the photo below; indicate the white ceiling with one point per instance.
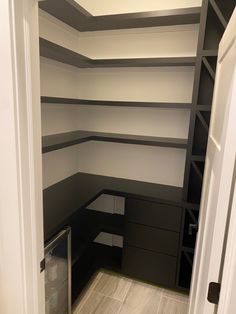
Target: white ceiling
{"x": 106, "y": 7}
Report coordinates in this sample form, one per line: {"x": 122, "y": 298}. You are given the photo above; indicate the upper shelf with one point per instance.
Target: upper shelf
{"x": 58, "y": 141}
{"x": 114, "y": 103}
{"x": 71, "y": 13}
{"x": 56, "y": 52}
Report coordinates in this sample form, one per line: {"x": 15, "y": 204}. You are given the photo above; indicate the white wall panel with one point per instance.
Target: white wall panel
{"x": 58, "y": 79}
{"x": 168, "y": 41}
{"x": 103, "y": 7}
{"x": 142, "y": 121}
{"x": 59, "y": 118}
{"x": 174, "y": 84}
{"x": 59, "y": 164}
{"x": 143, "y": 163}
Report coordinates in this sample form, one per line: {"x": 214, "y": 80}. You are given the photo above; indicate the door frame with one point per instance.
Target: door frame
{"x": 21, "y": 205}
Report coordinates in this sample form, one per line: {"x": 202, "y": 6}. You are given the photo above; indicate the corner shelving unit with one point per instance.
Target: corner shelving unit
{"x": 215, "y": 15}
{"x": 65, "y": 201}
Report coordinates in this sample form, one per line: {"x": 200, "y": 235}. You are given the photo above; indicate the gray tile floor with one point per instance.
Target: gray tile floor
{"x": 109, "y": 293}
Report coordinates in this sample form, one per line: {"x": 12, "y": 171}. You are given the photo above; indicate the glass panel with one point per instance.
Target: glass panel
{"x": 56, "y": 279}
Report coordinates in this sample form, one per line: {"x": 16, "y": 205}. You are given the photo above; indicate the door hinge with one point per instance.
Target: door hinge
{"x": 213, "y": 295}
{"x": 42, "y": 265}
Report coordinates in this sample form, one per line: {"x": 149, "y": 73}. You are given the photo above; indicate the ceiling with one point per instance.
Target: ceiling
{"x": 106, "y": 7}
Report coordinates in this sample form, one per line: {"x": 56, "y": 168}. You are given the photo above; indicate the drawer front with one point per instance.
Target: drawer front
{"x": 153, "y": 214}
{"x": 157, "y": 268}
{"x": 149, "y": 238}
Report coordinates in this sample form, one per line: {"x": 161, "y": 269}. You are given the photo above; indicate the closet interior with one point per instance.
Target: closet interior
{"x": 126, "y": 104}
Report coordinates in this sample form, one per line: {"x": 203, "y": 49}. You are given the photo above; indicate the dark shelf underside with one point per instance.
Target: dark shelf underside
{"x": 59, "y": 141}
{"x": 58, "y": 53}
{"x": 71, "y": 13}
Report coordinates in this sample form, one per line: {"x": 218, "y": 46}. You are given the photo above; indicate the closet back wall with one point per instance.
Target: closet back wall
{"x": 151, "y": 164}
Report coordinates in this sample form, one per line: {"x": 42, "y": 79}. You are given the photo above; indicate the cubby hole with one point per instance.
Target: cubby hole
{"x": 189, "y": 238}
{"x": 214, "y": 30}
{"x": 200, "y": 138}
{"x": 95, "y": 257}
{"x": 195, "y": 182}
{"x": 213, "y": 62}
{"x": 185, "y": 270}
{"x": 226, "y": 7}
{"x": 206, "y": 87}
{"x": 207, "y": 116}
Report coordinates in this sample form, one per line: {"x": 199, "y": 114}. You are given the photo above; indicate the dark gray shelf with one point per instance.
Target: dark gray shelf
{"x": 58, "y": 53}
{"x": 71, "y": 13}
{"x": 64, "y": 199}
{"x": 58, "y": 141}
{"x": 92, "y": 102}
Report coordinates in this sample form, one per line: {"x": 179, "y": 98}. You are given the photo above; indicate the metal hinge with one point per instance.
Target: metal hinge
{"x": 213, "y": 295}
{"x": 42, "y": 265}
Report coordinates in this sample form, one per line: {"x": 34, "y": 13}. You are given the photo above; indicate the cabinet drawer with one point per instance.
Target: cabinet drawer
{"x": 153, "y": 214}
{"x": 150, "y": 266}
{"x": 150, "y": 238}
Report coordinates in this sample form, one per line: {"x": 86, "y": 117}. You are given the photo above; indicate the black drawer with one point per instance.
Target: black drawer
{"x": 150, "y": 238}
{"x": 150, "y": 266}
{"x": 153, "y": 214}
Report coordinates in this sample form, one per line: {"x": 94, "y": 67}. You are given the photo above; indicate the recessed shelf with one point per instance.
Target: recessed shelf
{"x": 71, "y": 13}
{"x": 118, "y": 103}
{"x": 87, "y": 224}
{"x": 58, "y": 141}
{"x": 58, "y": 53}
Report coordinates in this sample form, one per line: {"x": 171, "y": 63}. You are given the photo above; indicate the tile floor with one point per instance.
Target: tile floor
{"x": 110, "y": 293}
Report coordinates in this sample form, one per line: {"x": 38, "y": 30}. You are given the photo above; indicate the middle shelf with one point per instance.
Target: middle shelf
{"x": 62, "y": 140}
{"x": 58, "y": 53}
{"x": 116, "y": 103}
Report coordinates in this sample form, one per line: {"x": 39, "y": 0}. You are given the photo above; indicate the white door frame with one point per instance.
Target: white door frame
{"x": 21, "y": 209}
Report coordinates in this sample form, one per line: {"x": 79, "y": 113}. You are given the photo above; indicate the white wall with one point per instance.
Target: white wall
{"x": 174, "y": 84}
{"x": 103, "y": 7}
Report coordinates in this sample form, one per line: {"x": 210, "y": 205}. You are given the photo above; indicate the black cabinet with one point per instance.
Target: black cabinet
{"x": 151, "y": 241}
{"x": 153, "y": 214}
{"x": 149, "y": 266}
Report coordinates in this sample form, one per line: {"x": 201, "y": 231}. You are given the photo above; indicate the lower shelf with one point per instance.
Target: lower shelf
{"x": 87, "y": 224}
{"x": 150, "y": 266}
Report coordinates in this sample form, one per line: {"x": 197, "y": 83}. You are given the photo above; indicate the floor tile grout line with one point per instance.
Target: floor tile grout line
{"x": 131, "y": 283}
{"x": 108, "y": 296}
{"x": 122, "y": 303}
{"x": 161, "y": 295}
{"x": 175, "y": 299}
{"x": 87, "y": 294}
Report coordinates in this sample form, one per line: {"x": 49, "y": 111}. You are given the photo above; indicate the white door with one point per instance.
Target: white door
{"x": 218, "y": 177}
